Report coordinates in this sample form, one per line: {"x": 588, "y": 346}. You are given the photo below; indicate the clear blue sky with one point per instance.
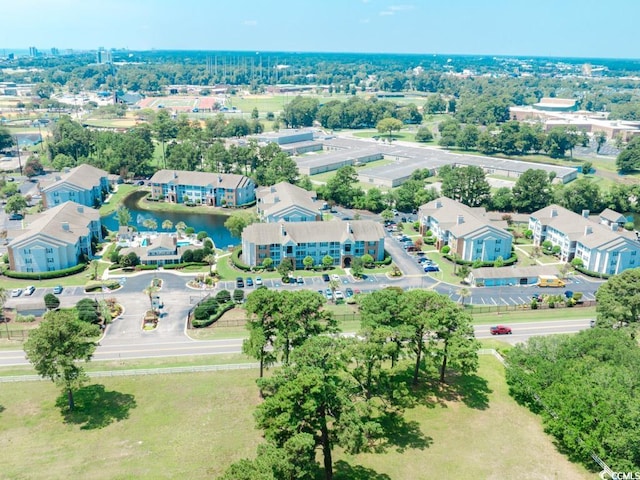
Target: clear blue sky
{"x": 579, "y": 28}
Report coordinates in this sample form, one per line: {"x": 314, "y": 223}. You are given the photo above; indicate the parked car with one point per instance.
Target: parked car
{"x": 16, "y": 216}
{"x": 325, "y": 277}
{"x": 592, "y": 323}
{"x": 239, "y": 282}
{"x": 339, "y": 295}
{"x": 335, "y": 277}
{"x": 431, "y": 268}
{"x": 29, "y": 290}
{"x": 16, "y": 292}
{"x": 329, "y": 294}
{"x": 300, "y": 281}
{"x": 258, "y": 281}
{"x": 57, "y": 289}
{"x": 500, "y": 330}
{"x": 249, "y": 282}
{"x": 348, "y": 292}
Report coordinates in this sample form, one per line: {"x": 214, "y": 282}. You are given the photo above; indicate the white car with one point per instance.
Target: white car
{"x": 335, "y": 276}
{"x": 16, "y": 292}
{"x": 339, "y": 295}
{"x": 258, "y": 281}
{"x": 29, "y": 290}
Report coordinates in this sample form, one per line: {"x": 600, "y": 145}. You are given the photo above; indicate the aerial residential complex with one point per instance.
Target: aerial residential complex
{"x": 343, "y": 241}
{"x": 202, "y": 188}
{"x": 287, "y": 202}
{"x": 602, "y": 243}
{"x": 57, "y": 239}
{"x": 84, "y": 184}
{"x": 467, "y": 231}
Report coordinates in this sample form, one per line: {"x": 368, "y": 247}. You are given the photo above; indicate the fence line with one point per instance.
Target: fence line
{"x": 142, "y": 371}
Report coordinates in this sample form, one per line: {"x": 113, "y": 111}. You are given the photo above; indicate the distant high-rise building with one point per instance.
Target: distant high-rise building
{"x": 103, "y": 56}
{"x": 11, "y": 56}
{"x": 33, "y": 52}
{"x": 55, "y": 51}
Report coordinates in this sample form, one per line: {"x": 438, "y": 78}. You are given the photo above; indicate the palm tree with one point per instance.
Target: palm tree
{"x": 150, "y": 224}
{"x": 167, "y": 225}
{"x": 211, "y": 260}
{"x": 464, "y": 293}
{"x": 181, "y": 227}
{"x": 150, "y": 291}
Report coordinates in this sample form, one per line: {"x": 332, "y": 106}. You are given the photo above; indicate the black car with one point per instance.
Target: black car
{"x": 239, "y": 282}
{"x": 325, "y": 277}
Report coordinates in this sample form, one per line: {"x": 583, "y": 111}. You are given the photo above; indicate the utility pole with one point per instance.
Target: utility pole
{"x": 19, "y": 159}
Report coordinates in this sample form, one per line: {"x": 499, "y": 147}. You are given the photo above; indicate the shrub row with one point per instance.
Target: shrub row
{"x": 94, "y": 285}
{"x": 509, "y": 261}
{"x": 178, "y": 266}
{"x": 147, "y": 267}
{"x": 46, "y": 275}
{"x": 591, "y": 273}
{"x": 385, "y": 261}
{"x": 235, "y": 258}
{"x": 213, "y": 318}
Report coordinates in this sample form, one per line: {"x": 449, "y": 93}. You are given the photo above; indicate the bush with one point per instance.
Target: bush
{"x": 25, "y": 318}
{"x": 430, "y": 240}
{"x": 384, "y": 262}
{"x": 51, "y": 302}
{"x": 205, "y": 309}
{"x": 46, "y": 275}
{"x": 446, "y": 249}
{"x": 213, "y": 318}
{"x": 591, "y": 273}
{"x": 238, "y": 295}
{"x": 223, "y": 296}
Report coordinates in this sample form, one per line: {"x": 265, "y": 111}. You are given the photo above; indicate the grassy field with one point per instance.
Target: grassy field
{"x": 195, "y": 425}
{"x": 117, "y": 198}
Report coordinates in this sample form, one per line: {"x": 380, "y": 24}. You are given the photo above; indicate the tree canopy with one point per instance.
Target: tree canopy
{"x": 56, "y": 347}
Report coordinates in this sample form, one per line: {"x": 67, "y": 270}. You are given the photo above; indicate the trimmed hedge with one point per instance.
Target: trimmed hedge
{"x": 177, "y": 266}
{"x": 222, "y": 309}
{"x": 146, "y": 267}
{"x": 94, "y": 285}
{"x": 46, "y": 275}
{"x": 591, "y": 273}
{"x": 235, "y": 258}
{"x": 509, "y": 261}
{"x": 386, "y": 261}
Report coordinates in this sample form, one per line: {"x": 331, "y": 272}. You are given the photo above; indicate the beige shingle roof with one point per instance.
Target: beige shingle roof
{"x": 282, "y": 195}
{"x": 84, "y": 176}
{"x": 578, "y": 228}
{"x": 313, "y": 232}
{"x": 201, "y": 179}
{"x": 448, "y": 212}
{"x": 51, "y": 223}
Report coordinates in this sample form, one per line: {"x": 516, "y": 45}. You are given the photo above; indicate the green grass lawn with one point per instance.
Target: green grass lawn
{"x": 533, "y": 315}
{"x": 193, "y": 425}
{"x": 124, "y": 190}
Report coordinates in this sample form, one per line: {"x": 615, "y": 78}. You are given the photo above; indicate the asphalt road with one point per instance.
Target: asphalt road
{"x": 127, "y": 349}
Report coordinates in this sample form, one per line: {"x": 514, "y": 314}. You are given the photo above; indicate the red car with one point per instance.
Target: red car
{"x": 500, "y": 330}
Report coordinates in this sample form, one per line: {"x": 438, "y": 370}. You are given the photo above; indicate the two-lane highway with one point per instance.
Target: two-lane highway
{"x": 154, "y": 349}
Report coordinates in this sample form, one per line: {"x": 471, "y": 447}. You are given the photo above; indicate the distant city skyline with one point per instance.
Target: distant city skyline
{"x": 555, "y": 28}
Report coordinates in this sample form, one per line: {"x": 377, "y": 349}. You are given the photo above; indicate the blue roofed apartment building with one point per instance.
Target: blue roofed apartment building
{"x": 468, "y": 231}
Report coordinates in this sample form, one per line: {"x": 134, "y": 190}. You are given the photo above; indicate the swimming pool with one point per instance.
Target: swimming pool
{"x": 183, "y": 243}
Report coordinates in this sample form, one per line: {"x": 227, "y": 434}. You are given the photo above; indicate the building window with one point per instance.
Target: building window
{"x": 498, "y": 241}
{"x": 49, "y": 250}
{"x": 347, "y": 248}
{"x": 49, "y": 260}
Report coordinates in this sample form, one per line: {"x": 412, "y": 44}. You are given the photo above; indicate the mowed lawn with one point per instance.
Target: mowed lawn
{"x": 194, "y": 425}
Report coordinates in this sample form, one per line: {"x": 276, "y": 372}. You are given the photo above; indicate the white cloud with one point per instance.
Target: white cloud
{"x": 386, "y": 13}
{"x": 365, "y": 20}
{"x": 250, "y": 23}
{"x": 400, "y": 8}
